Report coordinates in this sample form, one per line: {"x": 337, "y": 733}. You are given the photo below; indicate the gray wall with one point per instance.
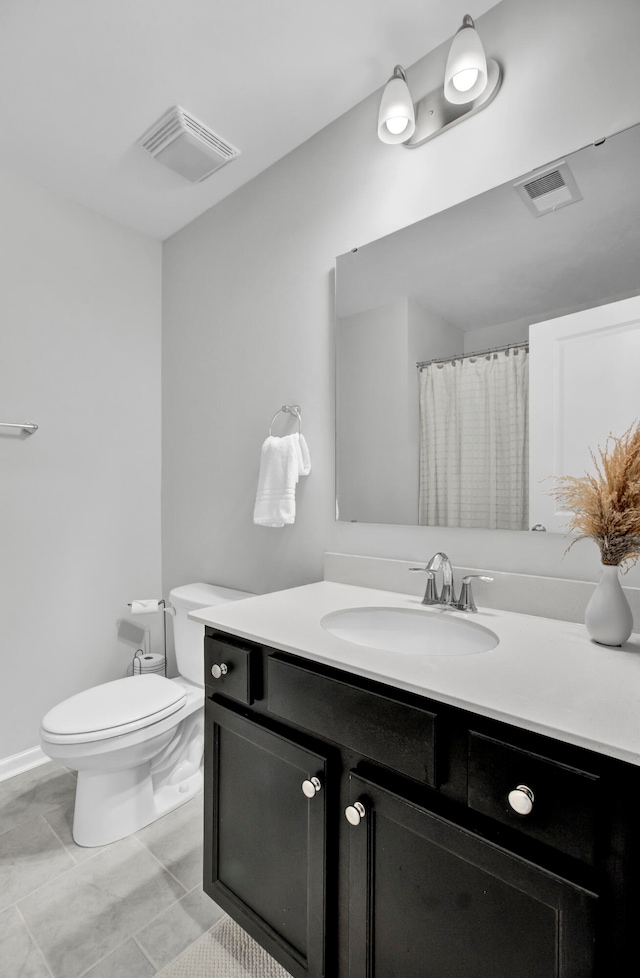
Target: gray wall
{"x": 247, "y": 297}
{"x": 377, "y": 407}
{"x": 79, "y": 499}
{"x": 374, "y": 457}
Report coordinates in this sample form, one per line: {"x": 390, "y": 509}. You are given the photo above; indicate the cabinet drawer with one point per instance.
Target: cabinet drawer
{"x": 564, "y": 803}
{"x": 394, "y": 734}
{"x": 232, "y": 669}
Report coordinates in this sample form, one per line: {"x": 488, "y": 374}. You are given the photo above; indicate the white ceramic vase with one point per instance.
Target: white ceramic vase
{"x": 608, "y": 617}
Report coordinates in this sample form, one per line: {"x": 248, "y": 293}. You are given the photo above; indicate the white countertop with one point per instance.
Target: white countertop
{"x": 544, "y": 675}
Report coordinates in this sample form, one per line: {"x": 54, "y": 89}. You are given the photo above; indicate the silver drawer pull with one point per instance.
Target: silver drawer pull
{"x": 355, "y": 813}
{"x": 219, "y": 670}
{"x": 521, "y": 799}
{"x": 311, "y": 787}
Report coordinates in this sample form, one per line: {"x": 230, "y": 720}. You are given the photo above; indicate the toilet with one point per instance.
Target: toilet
{"x": 137, "y": 743}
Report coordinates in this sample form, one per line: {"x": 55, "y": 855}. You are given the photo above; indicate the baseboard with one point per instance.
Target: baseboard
{"x": 10, "y": 766}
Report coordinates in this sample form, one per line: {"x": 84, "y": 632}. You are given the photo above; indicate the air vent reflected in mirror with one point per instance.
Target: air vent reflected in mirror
{"x": 549, "y": 189}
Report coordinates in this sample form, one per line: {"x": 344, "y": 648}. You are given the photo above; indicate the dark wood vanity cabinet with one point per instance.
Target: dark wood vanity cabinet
{"x": 358, "y": 831}
{"x": 428, "y": 897}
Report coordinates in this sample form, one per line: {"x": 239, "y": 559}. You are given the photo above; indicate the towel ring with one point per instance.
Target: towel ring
{"x": 293, "y": 409}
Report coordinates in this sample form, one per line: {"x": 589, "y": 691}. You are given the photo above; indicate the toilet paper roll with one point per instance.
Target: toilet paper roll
{"x": 148, "y": 606}
{"x": 149, "y": 662}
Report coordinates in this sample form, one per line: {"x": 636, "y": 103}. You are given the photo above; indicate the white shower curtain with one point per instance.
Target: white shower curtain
{"x": 474, "y": 442}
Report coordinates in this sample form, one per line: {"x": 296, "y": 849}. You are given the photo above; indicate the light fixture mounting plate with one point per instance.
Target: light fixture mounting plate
{"x": 435, "y": 114}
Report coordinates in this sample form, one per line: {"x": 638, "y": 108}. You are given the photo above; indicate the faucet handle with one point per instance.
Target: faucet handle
{"x": 430, "y": 594}
{"x": 465, "y": 602}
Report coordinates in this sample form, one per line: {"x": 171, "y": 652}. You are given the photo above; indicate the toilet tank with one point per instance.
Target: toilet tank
{"x": 189, "y": 635}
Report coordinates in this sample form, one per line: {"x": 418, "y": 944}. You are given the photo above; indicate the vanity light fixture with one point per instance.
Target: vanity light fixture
{"x": 471, "y": 82}
{"x": 396, "y": 119}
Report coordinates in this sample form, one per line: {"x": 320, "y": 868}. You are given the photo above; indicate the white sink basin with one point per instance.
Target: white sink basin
{"x": 411, "y": 631}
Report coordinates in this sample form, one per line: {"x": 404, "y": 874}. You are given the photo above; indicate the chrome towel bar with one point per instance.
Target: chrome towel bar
{"x": 27, "y": 426}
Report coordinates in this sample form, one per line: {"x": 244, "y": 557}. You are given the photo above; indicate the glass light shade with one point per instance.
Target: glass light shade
{"x": 465, "y": 77}
{"x": 396, "y": 119}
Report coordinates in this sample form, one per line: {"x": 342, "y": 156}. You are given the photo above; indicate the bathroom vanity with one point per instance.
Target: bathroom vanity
{"x": 385, "y": 814}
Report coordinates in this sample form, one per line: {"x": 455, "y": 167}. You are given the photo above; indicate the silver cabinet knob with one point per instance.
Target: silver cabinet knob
{"x": 219, "y": 670}
{"x": 355, "y": 813}
{"x": 311, "y": 787}
{"x": 521, "y": 799}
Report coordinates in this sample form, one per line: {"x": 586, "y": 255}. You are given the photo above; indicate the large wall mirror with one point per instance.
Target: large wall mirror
{"x": 488, "y": 347}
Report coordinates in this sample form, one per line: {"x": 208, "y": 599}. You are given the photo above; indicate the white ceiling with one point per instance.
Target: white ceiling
{"x": 81, "y": 80}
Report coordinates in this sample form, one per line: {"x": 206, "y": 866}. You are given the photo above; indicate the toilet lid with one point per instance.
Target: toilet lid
{"x": 132, "y": 703}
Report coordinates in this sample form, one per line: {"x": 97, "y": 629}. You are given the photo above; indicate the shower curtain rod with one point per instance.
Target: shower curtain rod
{"x": 467, "y": 356}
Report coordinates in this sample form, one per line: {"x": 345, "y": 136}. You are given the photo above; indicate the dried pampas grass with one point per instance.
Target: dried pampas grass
{"x": 606, "y": 506}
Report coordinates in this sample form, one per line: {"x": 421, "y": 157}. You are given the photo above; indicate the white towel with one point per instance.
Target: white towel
{"x": 282, "y": 462}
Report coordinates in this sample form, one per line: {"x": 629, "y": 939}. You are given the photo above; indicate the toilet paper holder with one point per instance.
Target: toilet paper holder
{"x": 150, "y": 606}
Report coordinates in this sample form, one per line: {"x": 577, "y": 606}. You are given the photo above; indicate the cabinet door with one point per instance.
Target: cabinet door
{"x": 429, "y": 899}
{"x": 264, "y": 858}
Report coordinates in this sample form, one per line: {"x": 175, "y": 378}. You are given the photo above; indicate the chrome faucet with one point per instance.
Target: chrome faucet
{"x": 447, "y": 596}
{"x": 441, "y": 560}
{"x": 431, "y": 596}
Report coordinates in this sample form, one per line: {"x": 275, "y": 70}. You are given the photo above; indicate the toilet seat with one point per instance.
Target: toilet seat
{"x": 113, "y": 709}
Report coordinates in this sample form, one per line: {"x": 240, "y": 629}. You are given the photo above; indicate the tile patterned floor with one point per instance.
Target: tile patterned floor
{"x": 121, "y": 910}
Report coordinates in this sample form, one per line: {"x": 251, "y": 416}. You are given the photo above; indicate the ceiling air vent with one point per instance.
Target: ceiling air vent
{"x": 187, "y": 146}
{"x": 548, "y": 190}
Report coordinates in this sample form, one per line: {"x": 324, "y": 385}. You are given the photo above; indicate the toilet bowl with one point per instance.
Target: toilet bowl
{"x": 137, "y": 743}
